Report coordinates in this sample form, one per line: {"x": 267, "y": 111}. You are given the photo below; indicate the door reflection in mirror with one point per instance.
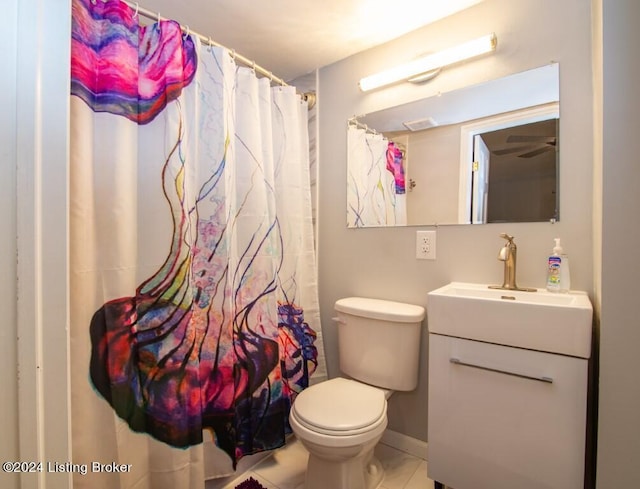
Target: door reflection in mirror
{"x": 515, "y": 174}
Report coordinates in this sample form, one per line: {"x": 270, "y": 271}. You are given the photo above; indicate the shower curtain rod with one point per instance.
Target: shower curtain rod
{"x": 355, "y": 122}
{"x": 308, "y": 97}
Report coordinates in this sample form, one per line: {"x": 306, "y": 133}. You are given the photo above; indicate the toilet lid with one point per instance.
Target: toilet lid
{"x": 340, "y": 406}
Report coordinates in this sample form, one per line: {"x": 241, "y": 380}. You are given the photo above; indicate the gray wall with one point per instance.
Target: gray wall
{"x": 381, "y": 262}
{"x": 433, "y": 158}
{"x": 619, "y": 407}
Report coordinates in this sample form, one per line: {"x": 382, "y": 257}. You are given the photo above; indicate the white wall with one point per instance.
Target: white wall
{"x": 619, "y": 406}
{"x": 380, "y": 262}
{"x": 34, "y": 327}
{"x": 8, "y": 333}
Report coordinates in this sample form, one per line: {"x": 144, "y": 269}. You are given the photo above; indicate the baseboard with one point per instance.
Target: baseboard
{"x": 404, "y": 443}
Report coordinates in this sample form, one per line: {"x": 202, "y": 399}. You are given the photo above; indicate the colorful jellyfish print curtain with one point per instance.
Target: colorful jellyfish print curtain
{"x": 375, "y": 180}
{"x": 194, "y": 311}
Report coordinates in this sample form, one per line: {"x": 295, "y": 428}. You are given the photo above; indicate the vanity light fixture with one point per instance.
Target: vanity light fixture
{"x": 430, "y": 64}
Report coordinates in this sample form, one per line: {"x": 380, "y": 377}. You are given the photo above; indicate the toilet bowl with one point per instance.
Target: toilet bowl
{"x": 340, "y": 422}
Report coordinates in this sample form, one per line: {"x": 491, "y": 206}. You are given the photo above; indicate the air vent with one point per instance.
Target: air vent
{"x": 420, "y": 124}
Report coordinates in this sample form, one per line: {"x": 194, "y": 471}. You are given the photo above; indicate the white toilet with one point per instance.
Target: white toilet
{"x": 341, "y": 420}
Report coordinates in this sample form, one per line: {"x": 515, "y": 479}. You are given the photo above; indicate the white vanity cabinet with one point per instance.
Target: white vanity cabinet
{"x": 505, "y": 418}
{"x": 508, "y": 377}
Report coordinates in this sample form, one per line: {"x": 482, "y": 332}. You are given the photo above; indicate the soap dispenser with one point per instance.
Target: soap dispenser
{"x": 558, "y": 278}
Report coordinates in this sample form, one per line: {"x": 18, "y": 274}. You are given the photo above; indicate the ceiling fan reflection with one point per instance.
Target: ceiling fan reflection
{"x": 536, "y": 145}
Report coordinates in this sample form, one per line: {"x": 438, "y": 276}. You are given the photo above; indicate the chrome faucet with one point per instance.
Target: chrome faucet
{"x": 508, "y": 254}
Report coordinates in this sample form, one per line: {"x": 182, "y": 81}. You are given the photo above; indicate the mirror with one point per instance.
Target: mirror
{"x": 481, "y": 154}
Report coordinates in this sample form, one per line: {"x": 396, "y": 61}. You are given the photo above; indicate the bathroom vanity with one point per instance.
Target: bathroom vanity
{"x": 508, "y": 375}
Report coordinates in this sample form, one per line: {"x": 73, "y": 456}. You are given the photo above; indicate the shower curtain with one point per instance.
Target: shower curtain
{"x": 194, "y": 311}
{"x": 375, "y": 180}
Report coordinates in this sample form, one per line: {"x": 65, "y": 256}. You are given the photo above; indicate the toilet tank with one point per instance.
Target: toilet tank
{"x": 379, "y": 341}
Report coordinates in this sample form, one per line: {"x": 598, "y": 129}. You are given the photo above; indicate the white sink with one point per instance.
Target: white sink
{"x": 541, "y": 320}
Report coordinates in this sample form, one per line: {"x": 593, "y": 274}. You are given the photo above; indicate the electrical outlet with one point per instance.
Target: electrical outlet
{"x": 426, "y": 245}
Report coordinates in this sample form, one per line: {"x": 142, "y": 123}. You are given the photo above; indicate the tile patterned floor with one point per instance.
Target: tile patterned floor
{"x": 284, "y": 469}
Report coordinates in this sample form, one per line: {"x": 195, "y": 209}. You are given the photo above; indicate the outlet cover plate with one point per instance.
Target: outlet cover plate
{"x": 426, "y": 245}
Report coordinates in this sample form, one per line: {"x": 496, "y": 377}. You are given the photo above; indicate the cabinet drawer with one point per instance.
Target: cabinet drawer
{"x": 504, "y": 417}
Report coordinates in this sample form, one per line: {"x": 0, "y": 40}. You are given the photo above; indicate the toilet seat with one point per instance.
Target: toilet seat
{"x": 341, "y": 408}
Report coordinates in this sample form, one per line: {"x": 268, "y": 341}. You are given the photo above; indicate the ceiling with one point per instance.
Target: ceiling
{"x": 293, "y": 37}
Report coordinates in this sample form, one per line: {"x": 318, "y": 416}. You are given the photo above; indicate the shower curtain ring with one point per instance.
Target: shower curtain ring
{"x": 253, "y": 67}
{"x": 187, "y": 31}
{"x": 135, "y": 14}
